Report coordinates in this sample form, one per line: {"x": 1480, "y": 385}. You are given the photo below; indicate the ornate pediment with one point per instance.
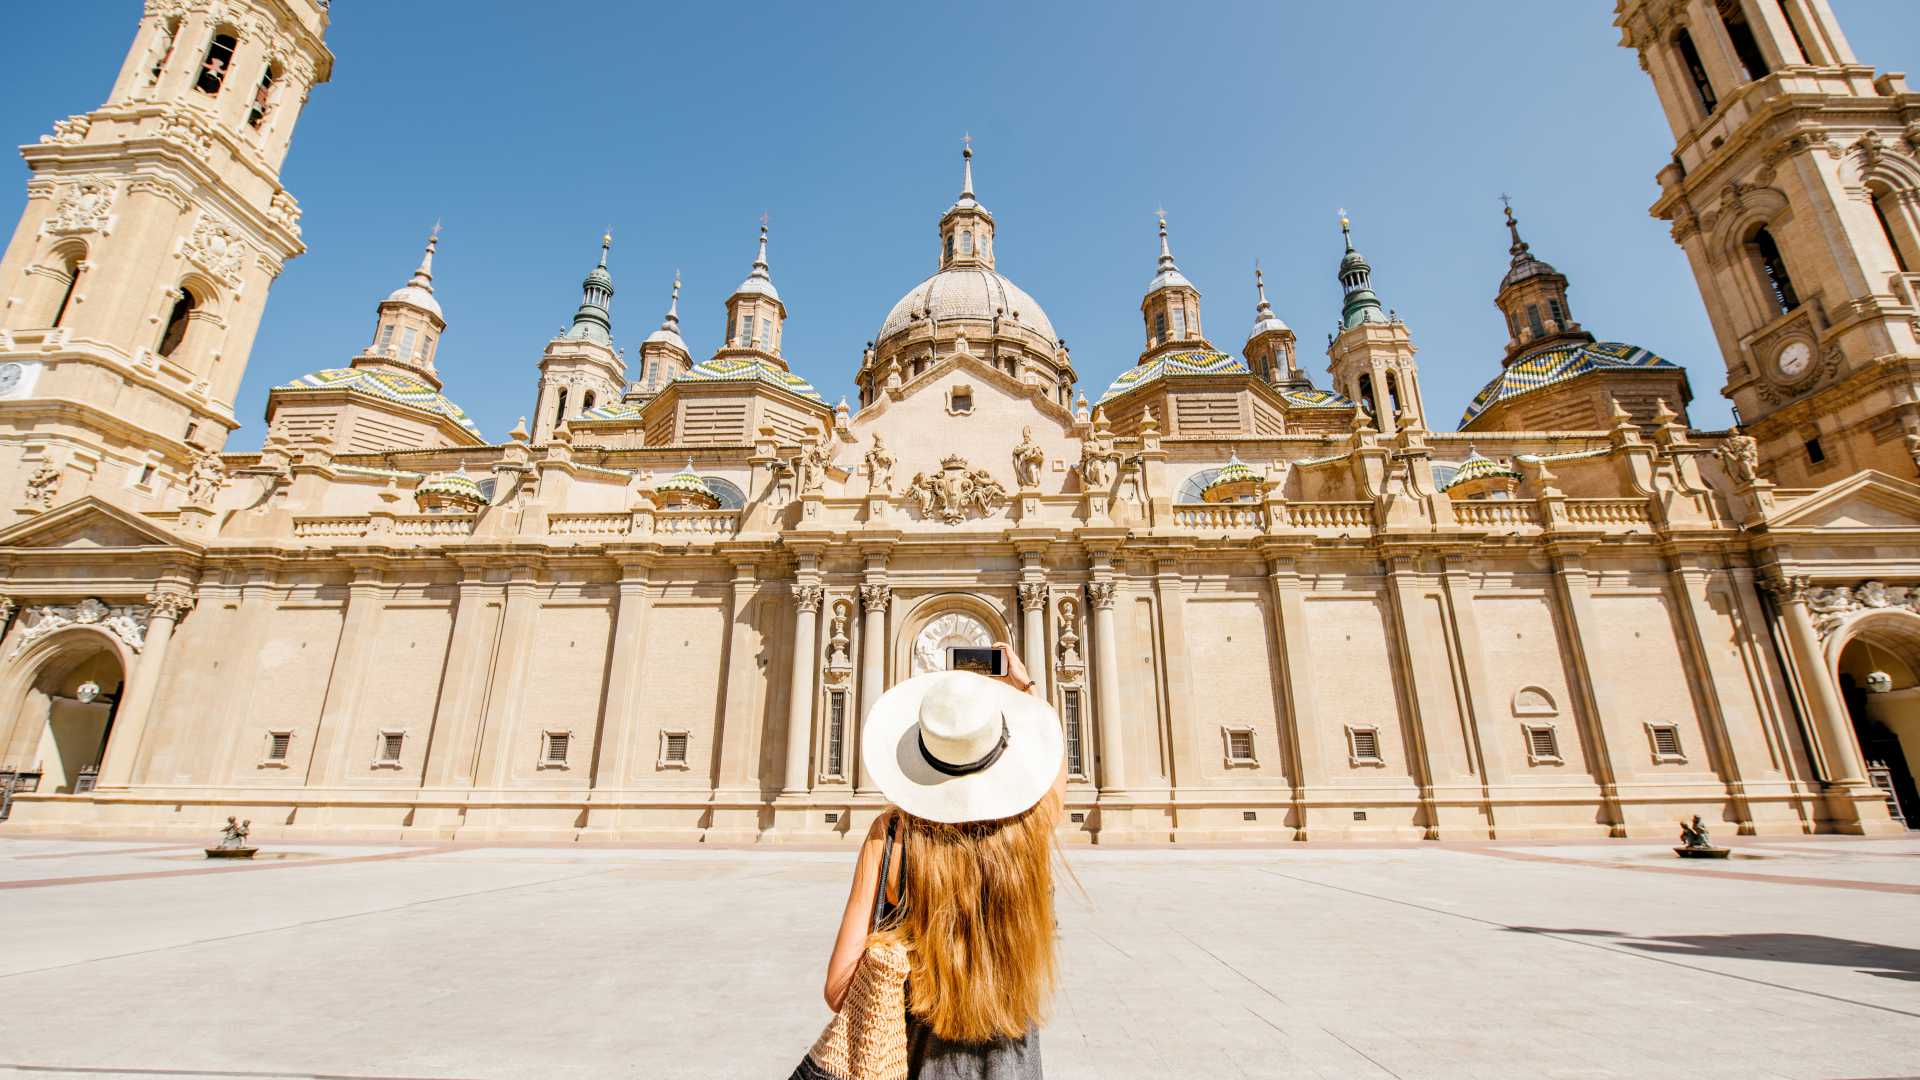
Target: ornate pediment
{"x": 89, "y": 523}
{"x": 1867, "y": 500}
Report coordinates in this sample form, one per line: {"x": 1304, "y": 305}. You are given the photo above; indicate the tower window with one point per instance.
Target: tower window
{"x": 163, "y": 51}
{"x": 1366, "y": 394}
{"x": 263, "y": 96}
{"x": 1513, "y": 326}
{"x": 176, "y": 331}
{"x": 1179, "y": 323}
{"x": 1533, "y": 321}
{"x": 1159, "y": 327}
{"x": 1559, "y": 313}
{"x": 66, "y": 295}
{"x": 213, "y": 70}
{"x": 1696, "y": 71}
{"x": 746, "y": 330}
{"x": 586, "y": 401}
{"x": 1740, "y": 34}
{"x": 1880, "y": 203}
{"x": 1815, "y": 452}
{"x": 966, "y": 241}
{"x": 560, "y": 410}
{"x": 406, "y": 344}
{"x": 1393, "y": 395}
{"x": 1775, "y": 270}
{"x": 949, "y": 245}
{"x": 386, "y": 338}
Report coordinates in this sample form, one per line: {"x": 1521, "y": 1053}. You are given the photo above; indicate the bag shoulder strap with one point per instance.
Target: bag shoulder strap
{"x": 880, "y": 901}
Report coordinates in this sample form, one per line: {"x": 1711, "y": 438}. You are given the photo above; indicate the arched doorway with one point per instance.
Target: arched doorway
{"x": 943, "y": 620}
{"x": 66, "y": 691}
{"x": 1878, "y": 670}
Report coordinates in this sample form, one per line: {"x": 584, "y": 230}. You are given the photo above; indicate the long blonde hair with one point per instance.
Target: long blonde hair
{"x": 977, "y": 920}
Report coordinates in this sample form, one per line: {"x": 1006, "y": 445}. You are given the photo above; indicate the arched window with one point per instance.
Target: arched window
{"x": 1774, "y": 269}
{"x": 1365, "y": 395}
{"x": 176, "y": 331}
{"x": 1696, "y": 71}
{"x": 1393, "y": 394}
{"x": 1159, "y": 327}
{"x": 1882, "y": 201}
{"x": 1740, "y": 34}
{"x": 1793, "y": 28}
{"x": 163, "y": 49}
{"x": 586, "y": 401}
{"x": 966, "y": 241}
{"x": 949, "y": 245}
{"x": 72, "y": 268}
{"x": 560, "y": 410}
{"x": 213, "y": 70}
{"x": 1533, "y": 321}
{"x": 263, "y": 96}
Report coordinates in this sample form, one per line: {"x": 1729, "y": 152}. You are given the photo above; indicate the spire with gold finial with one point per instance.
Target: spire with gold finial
{"x": 593, "y": 320}
{"x": 669, "y": 332}
{"x": 1356, "y": 282}
{"x": 1167, "y": 274}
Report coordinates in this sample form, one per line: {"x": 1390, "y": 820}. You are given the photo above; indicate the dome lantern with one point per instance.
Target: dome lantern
{"x": 686, "y": 490}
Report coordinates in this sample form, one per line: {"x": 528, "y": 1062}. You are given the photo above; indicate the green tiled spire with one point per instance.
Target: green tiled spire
{"x": 593, "y": 321}
{"x": 1356, "y": 278}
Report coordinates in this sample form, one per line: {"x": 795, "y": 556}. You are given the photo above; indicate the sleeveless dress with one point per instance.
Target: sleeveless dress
{"x": 930, "y": 1057}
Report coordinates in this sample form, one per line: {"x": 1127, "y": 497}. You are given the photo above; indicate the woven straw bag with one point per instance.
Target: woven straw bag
{"x": 867, "y": 1038}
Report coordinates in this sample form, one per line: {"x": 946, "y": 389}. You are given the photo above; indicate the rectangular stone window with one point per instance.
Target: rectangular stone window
{"x": 1076, "y": 739}
{"x": 1559, "y": 315}
{"x": 1533, "y": 321}
{"x": 1815, "y": 452}
{"x": 553, "y": 749}
{"x": 836, "y": 757}
{"x": 960, "y": 400}
{"x": 279, "y": 744}
{"x": 386, "y": 748}
{"x": 1179, "y": 323}
{"x": 1363, "y": 745}
{"x": 1665, "y": 739}
{"x": 1238, "y": 741}
{"x": 1543, "y": 744}
{"x": 213, "y": 70}
{"x": 673, "y": 749}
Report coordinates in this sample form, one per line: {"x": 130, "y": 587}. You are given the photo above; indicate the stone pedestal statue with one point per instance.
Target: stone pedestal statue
{"x": 1694, "y": 843}
{"x": 233, "y": 841}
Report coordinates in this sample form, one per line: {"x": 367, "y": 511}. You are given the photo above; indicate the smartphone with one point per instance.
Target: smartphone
{"x": 988, "y": 661}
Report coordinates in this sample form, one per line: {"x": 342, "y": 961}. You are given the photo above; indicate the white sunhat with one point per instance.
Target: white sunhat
{"x": 952, "y": 746}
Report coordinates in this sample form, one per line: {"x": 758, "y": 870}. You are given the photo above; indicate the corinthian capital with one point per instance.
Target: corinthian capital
{"x": 1101, "y": 593}
{"x": 875, "y": 597}
{"x": 808, "y": 597}
{"x": 168, "y": 605}
{"x": 1787, "y": 588}
{"x": 1033, "y": 596}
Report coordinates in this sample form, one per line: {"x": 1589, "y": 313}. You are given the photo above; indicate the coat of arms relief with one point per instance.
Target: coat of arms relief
{"x": 956, "y": 491}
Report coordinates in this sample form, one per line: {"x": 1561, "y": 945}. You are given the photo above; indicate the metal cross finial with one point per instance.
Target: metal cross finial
{"x": 763, "y": 219}
{"x": 436, "y": 229}
{"x": 967, "y": 140}
{"x": 1161, "y": 213}
{"x": 1506, "y": 200}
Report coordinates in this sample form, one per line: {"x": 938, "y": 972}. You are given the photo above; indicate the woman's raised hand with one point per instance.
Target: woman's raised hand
{"x": 1016, "y": 675}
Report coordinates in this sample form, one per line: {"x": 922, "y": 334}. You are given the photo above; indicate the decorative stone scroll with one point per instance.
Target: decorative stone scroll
{"x": 1833, "y": 607}
{"x": 218, "y": 249}
{"x": 956, "y": 491}
{"x": 128, "y": 622}
{"x": 85, "y": 206}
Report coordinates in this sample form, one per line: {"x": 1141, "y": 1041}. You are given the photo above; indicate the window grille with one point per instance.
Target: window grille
{"x": 1363, "y": 744}
{"x": 1559, "y": 313}
{"x": 390, "y": 743}
{"x": 1543, "y": 743}
{"x": 1076, "y": 742}
{"x": 1666, "y": 742}
{"x": 673, "y": 749}
{"x": 1239, "y": 746}
{"x": 278, "y": 743}
{"x": 836, "y": 734}
{"x": 557, "y": 742}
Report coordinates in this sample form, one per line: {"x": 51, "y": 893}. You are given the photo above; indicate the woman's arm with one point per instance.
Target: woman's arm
{"x": 1018, "y": 678}
{"x": 858, "y": 918}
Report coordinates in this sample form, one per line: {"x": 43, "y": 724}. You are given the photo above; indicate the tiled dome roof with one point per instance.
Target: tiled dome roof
{"x": 967, "y": 293}
{"x": 1316, "y": 399}
{"x": 1234, "y": 480}
{"x": 1556, "y": 364}
{"x": 618, "y": 410}
{"x": 686, "y": 486}
{"x": 749, "y": 369}
{"x": 455, "y": 486}
{"x": 1194, "y": 362}
{"x": 1478, "y": 467}
{"x": 388, "y": 385}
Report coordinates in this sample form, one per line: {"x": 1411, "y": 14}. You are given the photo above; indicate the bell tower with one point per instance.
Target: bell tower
{"x": 154, "y": 226}
{"x": 1794, "y": 189}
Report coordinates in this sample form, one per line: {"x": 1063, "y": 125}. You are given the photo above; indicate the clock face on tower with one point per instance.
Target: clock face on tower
{"x": 1793, "y": 360}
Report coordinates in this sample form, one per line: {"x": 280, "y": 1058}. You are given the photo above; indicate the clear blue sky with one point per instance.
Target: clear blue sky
{"x": 678, "y": 125}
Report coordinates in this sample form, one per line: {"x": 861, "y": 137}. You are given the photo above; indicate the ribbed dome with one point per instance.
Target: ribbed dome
{"x": 417, "y": 297}
{"x": 967, "y": 293}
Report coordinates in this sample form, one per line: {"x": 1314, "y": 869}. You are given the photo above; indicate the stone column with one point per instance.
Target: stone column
{"x": 500, "y": 714}
{"x": 806, "y": 603}
{"x": 332, "y": 749}
{"x": 873, "y": 669}
{"x": 1830, "y": 720}
{"x": 1308, "y": 767}
{"x": 130, "y": 723}
{"x": 613, "y": 760}
{"x": 1033, "y": 635}
{"x": 452, "y": 745}
{"x": 1106, "y": 661}
{"x": 1595, "y": 699}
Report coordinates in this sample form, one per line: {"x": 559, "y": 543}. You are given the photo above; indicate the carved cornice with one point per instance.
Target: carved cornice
{"x": 128, "y": 622}
{"x": 1834, "y": 606}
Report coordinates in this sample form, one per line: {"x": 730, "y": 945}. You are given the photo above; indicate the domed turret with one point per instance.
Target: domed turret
{"x": 1171, "y": 308}
{"x": 453, "y": 492}
{"x": 686, "y": 489}
{"x": 1269, "y": 348}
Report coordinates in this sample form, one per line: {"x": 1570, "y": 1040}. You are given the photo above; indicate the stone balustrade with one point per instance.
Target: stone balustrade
{"x": 1608, "y": 512}
{"x": 614, "y": 524}
{"x": 1330, "y": 515}
{"x": 434, "y": 525}
{"x": 331, "y": 528}
{"x": 1496, "y": 513}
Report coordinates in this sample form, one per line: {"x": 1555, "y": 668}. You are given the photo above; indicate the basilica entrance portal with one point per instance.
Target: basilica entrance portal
{"x": 1879, "y": 672}
{"x": 65, "y": 692}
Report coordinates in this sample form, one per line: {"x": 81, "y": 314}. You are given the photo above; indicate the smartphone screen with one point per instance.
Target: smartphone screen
{"x": 977, "y": 660}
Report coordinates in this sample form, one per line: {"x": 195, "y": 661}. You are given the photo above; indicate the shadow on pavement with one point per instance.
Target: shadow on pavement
{"x": 1885, "y": 961}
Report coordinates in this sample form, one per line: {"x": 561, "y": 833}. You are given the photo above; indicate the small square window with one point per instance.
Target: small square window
{"x": 279, "y": 744}
{"x": 1815, "y": 452}
{"x": 1239, "y": 746}
{"x": 553, "y": 751}
{"x": 960, "y": 400}
{"x": 1543, "y": 744}
{"x": 1666, "y": 743}
{"x": 1363, "y": 745}
{"x": 673, "y": 750}
{"x": 387, "y": 748}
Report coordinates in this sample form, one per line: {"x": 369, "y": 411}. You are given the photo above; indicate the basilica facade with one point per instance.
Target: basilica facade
{"x": 1267, "y": 603}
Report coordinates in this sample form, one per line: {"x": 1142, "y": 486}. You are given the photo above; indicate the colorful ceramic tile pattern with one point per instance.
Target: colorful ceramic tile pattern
{"x": 1179, "y": 363}
{"x": 747, "y": 369}
{"x": 389, "y": 385}
{"x": 1316, "y": 399}
{"x": 619, "y": 410}
{"x": 1557, "y": 364}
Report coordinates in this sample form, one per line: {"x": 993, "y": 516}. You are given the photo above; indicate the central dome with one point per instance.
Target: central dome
{"x": 967, "y": 293}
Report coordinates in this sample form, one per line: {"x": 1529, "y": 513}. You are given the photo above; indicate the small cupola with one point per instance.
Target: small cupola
{"x": 1171, "y": 307}
{"x": 755, "y": 315}
{"x": 1269, "y": 348}
{"x": 1533, "y": 297}
{"x": 686, "y": 490}
{"x": 409, "y": 321}
{"x": 966, "y": 229}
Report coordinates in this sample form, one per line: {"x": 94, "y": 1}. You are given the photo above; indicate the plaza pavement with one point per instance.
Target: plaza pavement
{"x": 1798, "y": 958}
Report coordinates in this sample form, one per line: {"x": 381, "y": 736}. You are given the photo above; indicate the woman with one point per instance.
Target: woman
{"x": 975, "y": 770}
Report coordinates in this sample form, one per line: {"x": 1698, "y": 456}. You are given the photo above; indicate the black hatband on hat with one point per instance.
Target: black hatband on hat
{"x": 950, "y": 769}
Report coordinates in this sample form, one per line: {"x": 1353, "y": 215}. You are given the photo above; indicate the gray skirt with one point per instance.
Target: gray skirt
{"x": 931, "y": 1057}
